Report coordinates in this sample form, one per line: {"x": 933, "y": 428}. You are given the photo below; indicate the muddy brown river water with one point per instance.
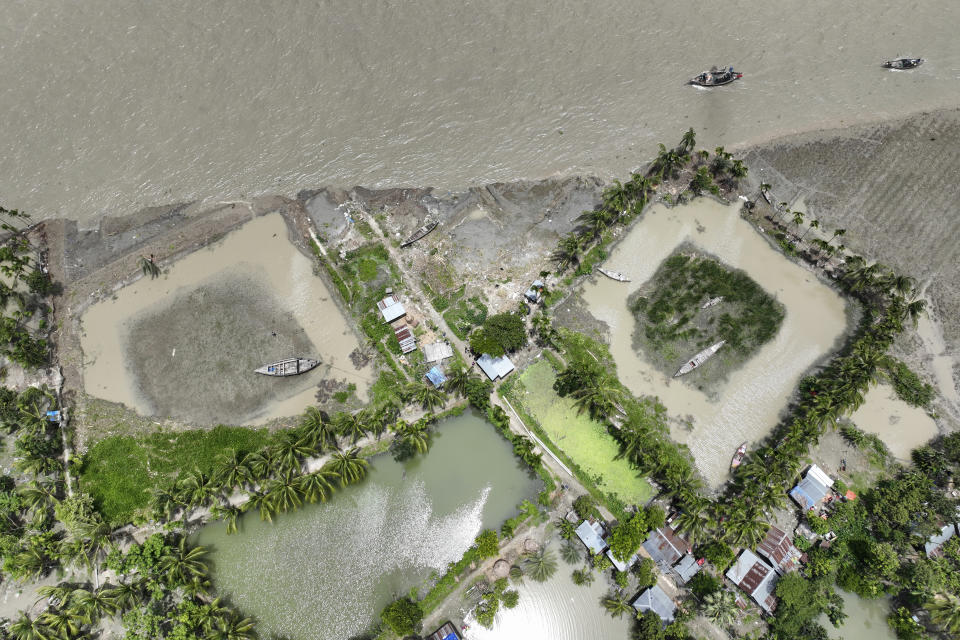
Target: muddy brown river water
{"x": 749, "y": 403}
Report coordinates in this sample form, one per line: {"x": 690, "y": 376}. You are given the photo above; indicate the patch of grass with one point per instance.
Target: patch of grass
{"x": 908, "y": 385}
{"x": 465, "y": 315}
{"x": 367, "y": 269}
{"x": 585, "y": 442}
{"x": 120, "y": 471}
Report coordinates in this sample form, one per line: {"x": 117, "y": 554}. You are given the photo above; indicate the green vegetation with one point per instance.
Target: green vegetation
{"x": 583, "y": 441}
{"x": 499, "y": 334}
{"x": 672, "y": 325}
{"x": 120, "y": 472}
{"x": 403, "y": 616}
{"x": 465, "y": 314}
{"x": 493, "y": 597}
{"x": 908, "y": 385}
{"x": 627, "y": 536}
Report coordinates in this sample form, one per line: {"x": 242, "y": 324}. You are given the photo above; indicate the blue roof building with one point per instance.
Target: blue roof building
{"x": 814, "y": 487}
{"x": 436, "y": 377}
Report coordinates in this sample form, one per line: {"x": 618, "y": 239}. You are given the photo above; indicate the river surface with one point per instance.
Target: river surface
{"x": 326, "y": 571}
{"x": 747, "y": 406}
{"x": 108, "y": 107}
{"x": 867, "y": 619}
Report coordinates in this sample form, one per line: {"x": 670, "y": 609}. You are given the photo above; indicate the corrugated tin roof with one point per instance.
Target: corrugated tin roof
{"x": 591, "y": 534}
{"x": 933, "y": 544}
{"x": 495, "y": 367}
{"x": 437, "y": 351}
{"x": 436, "y": 377}
{"x": 621, "y": 566}
{"x": 665, "y": 546}
{"x": 777, "y": 547}
{"x": 391, "y": 308}
{"x": 654, "y": 599}
{"x": 687, "y": 568}
{"x": 756, "y": 578}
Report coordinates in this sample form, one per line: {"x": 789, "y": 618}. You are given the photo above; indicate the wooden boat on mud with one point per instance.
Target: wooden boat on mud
{"x": 903, "y": 64}
{"x": 288, "y": 367}
{"x": 716, "y": 77}
{"x": 699, "y": 359}
{"x": 738, "y": 456}
{"x": 711, "y": 302}
{"x": 419, "y": 233}
{"x": 614, "y": 275}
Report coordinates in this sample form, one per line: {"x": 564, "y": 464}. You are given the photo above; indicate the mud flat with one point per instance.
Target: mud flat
{"x": 184, "y": 345}
{"x": 901, "y": 427}
{"x": 748, "y": 405}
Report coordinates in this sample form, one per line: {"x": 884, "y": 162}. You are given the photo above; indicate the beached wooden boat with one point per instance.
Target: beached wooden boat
{"x": 738, "y": 456}
{"x": 711, "y": 302}
{"x": 766, "y": 196}
{"x": 716, "y": 77}
{"x": 614, "y": 275}
{"x": 699, "y": 359}
{"x": 419, "y": 233}
{"x": 903, "y": 63}
{"x": 288, "y": 367}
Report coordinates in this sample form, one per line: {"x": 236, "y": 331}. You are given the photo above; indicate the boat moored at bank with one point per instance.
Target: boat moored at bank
{"x": 614, "y": 275}
{"x": 288, "y": 367}
{"x": 699, "y": 359}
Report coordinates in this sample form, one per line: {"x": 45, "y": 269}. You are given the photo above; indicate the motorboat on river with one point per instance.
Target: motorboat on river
{"x": 738, "y": 456}
{"x": 716, "y": 77}
{"x": 699, "y": 359}
{"x": 903, "y": 64}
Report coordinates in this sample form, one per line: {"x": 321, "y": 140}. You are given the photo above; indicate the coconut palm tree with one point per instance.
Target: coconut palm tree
{"x": 745, "y": 529}
{"x": 616, "y": 603}
{"x": 901, "y": 284}
{"x": 837, "y": 233}
{"x": 319, "y": 485}
{"x": 26, "y": 628}
{"x": 458, "y": 379}
{"x": 165, "y": 501}
{"x": 688, "y": 141}
{"x": 763, "y": 187}
{"x": 721, "y": 607}
{"x": 232, "y": 470}
{"x": 797, "y": 220}
{"x": 541, "y": 565}
{"x": 600, "y": 395}
{"x": 263, "y": 502}
{"x": 232, "y": 627}
{"x": 721, "y": 161}
{"x": 616, "y": 198}
{"x": 915, "y": 308}
{"x": 286, "y": 491}
{"x": 348, "y": 465}
{"x": 124, "y": 595}
{"x": 183, "y": 564}
{"x": 695, "y": 519}
{"x": 93, "y": 605}
{"x": 263, "y": 463}
{"x": 292, "y": 449}
{"x": 427, "y": 396}
{"x": 566, "y": 529}
{"x": 945, "y": 612}
{"x": 568, "y": 251}
{"x": 196, "y": 488}
{"x": 148, "y": 266}
{"x": 59, "y": 595}
{"x": 64, "y": 622}
{"x": 351, "y": 425}
{"x": 582, "y": 577}
{"x": 416, "y": 435}
{"x": 570, "y": 552}
{"x": 229, "y": 514}
{"x": 320, "y": 433}
{"x": 814, "y": 224}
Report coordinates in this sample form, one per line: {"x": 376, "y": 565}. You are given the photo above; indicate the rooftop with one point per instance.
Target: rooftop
{"x": 621, "y": 566}
{"x": 812, "y": 489}
{"x": 934, "y": 543}
{"x": 591, "y": 534}
{"x": 436, "y": 377}
{"x": 778, "y": 549}
{"x": 391, "y": 308}
{"x": 495, "y": 367}
{"x": 666, "y": 547}
{"x": 687, "y": 568}
{"x": 654, "y": 599}
{"x": 756, "y": 578}
{"x": 437, "y": 351}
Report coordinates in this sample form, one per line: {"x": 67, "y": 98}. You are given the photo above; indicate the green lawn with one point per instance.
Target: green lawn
{"x": 581, "y": 439}
{"x": 120, "y": 471}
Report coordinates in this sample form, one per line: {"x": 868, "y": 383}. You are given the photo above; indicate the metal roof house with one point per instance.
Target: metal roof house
{"x": 933, "y": 545}
{"x": 654, "y": 599}
{"x": 756, "y": 578}
{"x": 687, "y": 568}
{"x": 390, "y": 308}
{"x": 437, "y": 351}
{"x": 777, "y": 548}
{"x": 406, "y": 339}
{"x": 591, "y": 535}
{"x": 621, "y": 566}
{"x": 446, "y": 632}
{"x": 495, "y": 367}
{"x": 666, "y": 547}
{"x": 436, "y": 377}
{"x": 814, "y": 487}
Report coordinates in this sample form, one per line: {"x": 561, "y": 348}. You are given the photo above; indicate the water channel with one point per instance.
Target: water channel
{"x": 749, "y": 403}
{"x": 325, "y": 571}
{"x": 866, "y": 619}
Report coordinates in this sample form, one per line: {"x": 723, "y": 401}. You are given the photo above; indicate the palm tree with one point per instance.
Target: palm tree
{"x": 319, "y": 432}
{"x": 616, "y": 198}
{"x": 351, "y": 425}
{"x": 184, "y": 564}
{"x": 286, "y": 491}
{"x": 232, "y": 627}
{"x": 125, "y": 595}
{"x": 263, "y": 463}
{"x": 416, "y": 435}
{"x": 94, "y": 605}
{"x": 599, "y": 396}
{"x": 745, "y": 529}
{"x": 348, "y": 465}
{"x": 229, "y": 514}
{"x": 148, "y": 266}
{"x": 582, "y": 577}
{"x": 688, "y": 141}
{"x": 945, "y": 611}
{"x": 901, "y": 284}
{"x": 721, "y": 161}
{"x": 721, "y": 607}
{"x": 164, "y": 501}
{"x": 541, "y": 565}
{"x": 196, "y": 488}
{"x": 814, "y": 224}
{"x": 570, "y": 552}
{"x": 763, "y": 187}
{"x": 263, "y": 501}
{"x": 292, "y": 449}
{"x": 26, "y": 628}
{"x": 318, "y": 485}
{"x": 66, "y": 623}
{"x": 837, "y": 233}
{"x": 568, "y": 251}
{"x": 616, "y": 604}
{"x": 428, "y": 396}
{"x": 59, "y": 595}
{"x": 695, "y": 519}
{"x": 566, "y": 528}
{"x": 915, "y": 308}
{"x": 797, "y": 220}
{"x": 458, "y": 379}
{"x": 231, "y": 470}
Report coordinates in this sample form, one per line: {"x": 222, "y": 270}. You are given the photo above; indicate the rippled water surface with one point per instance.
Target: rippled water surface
{"x": 108, "y": 106}
{"x": 326, "y": 570}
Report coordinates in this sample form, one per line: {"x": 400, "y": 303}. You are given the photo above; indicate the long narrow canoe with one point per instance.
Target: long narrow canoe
{"x": 419, "y": 233}
{"x": 288, "y": 367}
{"x": 699, "y": 359}
{"x": 614, "y": 275}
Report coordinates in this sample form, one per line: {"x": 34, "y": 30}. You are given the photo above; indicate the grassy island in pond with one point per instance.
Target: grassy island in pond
{"x": 694, "y": 301}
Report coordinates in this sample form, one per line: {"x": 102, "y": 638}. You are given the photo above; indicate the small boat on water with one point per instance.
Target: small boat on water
{"x": 614, "y": 275}
{"x": 288, "y": 367}
{"x": 419, "y": 233}
{"x": 711, "y": 302}
{"x": 903, "y": 63}
{"x": 699, "y": 359}
{"x": 738, "y": 456}
{"x": 716, "y": 77}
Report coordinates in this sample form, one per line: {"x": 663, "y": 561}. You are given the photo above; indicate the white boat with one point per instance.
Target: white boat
{"x": 614, "y": 275}
{"x": 712, "y": 301}
{"x": 288, "y": 367}
{"x": 699, "y": 359}
{"x": 738, "y": 456}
